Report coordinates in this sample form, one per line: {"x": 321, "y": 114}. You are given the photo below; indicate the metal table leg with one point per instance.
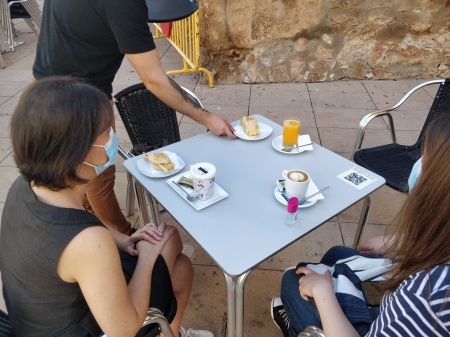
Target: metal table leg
{"x": 362, "y": 221}
{"x": 142, "y": 204}
{"x": 235, "y": 299}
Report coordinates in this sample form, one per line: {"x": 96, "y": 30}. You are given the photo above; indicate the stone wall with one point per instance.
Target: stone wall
{"x": 263, "y": 41}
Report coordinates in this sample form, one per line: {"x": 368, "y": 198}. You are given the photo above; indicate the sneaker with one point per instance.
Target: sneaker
{"x": 195, "y": 333}
{"x": 279, "y": 316}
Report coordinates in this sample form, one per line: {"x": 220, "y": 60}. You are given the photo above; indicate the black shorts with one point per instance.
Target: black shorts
{"x": 161, "y": 289}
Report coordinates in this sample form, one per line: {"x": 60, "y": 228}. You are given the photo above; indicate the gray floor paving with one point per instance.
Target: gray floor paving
{"x": 330, "y": 113}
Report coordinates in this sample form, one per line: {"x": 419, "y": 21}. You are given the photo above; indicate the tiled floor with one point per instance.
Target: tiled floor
{"x": 330, "y": 113}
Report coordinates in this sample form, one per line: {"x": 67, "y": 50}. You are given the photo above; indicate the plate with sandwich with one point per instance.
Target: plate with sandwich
{"x": 160, "y": 164}
{"x": 251, "y": 129}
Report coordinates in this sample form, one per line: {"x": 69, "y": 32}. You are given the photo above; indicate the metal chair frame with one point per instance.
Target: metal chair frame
{"x": 361, "y": 133}
{"x": 7, "y": 32}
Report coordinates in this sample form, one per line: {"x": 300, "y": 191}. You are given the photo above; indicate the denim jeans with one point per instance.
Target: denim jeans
{"x": 300, "y": 312}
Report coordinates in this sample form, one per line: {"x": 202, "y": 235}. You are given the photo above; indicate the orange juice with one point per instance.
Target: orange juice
{"x": 291, "y": 130}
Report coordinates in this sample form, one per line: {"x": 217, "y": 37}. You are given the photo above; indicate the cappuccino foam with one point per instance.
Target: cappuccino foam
{"x": 298, "y": 176}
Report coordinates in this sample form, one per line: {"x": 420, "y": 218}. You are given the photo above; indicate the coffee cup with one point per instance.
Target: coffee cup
{"x": 203, "y": 176}
{"x": 296, "y": 183}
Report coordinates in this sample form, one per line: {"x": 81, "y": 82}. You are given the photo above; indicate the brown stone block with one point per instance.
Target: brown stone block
{"x": 324, "y": 53}
{"x": 419, "y": 27}
{"x": 279, "y": 74}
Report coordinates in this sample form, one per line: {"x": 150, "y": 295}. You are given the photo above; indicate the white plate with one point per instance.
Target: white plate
{"x": 312, "y": 188}
{"x": 266, "y": 130}
{"x": 146, "y": 169}
{"x": 218, "y": 194}
{"x": 277, "y": 144}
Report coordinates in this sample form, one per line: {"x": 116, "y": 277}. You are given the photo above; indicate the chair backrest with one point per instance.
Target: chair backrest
{"x": 440, "y": 106}
{"x": 146, "y": 118}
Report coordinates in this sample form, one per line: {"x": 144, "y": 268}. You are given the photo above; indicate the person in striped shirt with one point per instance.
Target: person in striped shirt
{"x": 417, "y": 297}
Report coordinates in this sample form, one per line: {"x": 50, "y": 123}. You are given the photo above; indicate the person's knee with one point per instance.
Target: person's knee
{"x": 184, "y": 268}
{"x": 337, "y": 253}
{"x": 174, "y": 244}
{"x": 289, "y": 284}
{"x": 172, "y": 249}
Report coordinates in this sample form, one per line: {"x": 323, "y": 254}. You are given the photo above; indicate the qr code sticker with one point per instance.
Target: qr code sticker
{"x": 357, "y": 177}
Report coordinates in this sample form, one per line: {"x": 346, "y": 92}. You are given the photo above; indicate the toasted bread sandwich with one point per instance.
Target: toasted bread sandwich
{"x": 250, "y": 126}
{"x": 159, "y": 161}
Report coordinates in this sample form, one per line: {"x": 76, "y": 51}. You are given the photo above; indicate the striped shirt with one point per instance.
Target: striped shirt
{"x": 419, "y": 307}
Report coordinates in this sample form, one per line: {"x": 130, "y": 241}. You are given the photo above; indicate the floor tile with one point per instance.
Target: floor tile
{"x": 280, "y": 99}
{"x": 8, "y": 176}
{"x": 342, "y": 100}
{"x": 10, "y": 89}
{"x": 337, "y": 86}
{"x": 277, "y": 114}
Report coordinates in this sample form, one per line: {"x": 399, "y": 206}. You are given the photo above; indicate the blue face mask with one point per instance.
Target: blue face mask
{"x": 415, "y": 174}
{"x": 111, "y": 147}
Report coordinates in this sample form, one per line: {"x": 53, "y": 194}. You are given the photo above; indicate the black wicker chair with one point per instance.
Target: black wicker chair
{"x": 5, "y": 325}
{"x": 150, "y": 124}
{"x": 17, "y": 10}
{"x": 394, "y": 161}
{"x": 155, "y": 323}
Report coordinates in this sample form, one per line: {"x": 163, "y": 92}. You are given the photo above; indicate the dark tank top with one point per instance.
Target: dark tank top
{"x": 32, "y": 238}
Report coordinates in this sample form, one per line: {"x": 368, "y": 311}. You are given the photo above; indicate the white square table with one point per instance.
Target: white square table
{"x": 246, "y": 228}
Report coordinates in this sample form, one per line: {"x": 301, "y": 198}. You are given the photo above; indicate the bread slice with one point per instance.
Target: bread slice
{"x": 159, "y": 161}
{"x": 250, "y": 126}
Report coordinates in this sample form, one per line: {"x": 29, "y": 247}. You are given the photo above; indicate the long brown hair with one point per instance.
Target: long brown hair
{"x": 423, "y": 224}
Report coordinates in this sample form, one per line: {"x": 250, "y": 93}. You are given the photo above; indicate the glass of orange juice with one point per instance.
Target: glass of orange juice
{"x": 291, "y": 130}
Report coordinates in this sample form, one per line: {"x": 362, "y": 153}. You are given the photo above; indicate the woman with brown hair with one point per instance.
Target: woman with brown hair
{"x": 417, "y": 297}
{"x": 64, "y": 273}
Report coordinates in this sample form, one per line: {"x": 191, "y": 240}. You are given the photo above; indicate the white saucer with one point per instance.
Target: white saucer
{"x": 218, "y": 194}
{"x": 266, "y": 130}
{"x": 146, "y": 169}
{"x": 312, "y": 188}
{"x": 277, "y": 144}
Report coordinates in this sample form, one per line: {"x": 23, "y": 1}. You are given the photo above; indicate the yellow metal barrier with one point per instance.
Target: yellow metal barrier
{"x": 185, "y": 37}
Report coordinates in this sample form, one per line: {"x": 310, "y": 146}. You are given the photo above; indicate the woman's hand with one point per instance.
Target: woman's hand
{"x": 312, "y": 283}
{"x": 153, "y": 248}
{"x": 375, "y": 245}
{"x": 150, "y": 233}
{"x": 321, "y": 288}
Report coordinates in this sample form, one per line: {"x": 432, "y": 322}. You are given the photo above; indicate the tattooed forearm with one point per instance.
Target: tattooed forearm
{"x": 188, "y": 98}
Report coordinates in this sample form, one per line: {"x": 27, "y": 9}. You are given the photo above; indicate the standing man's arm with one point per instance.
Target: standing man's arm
{"x": 149, "y": 68}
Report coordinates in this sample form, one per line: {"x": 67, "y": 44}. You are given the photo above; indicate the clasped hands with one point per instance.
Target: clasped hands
{"x": 150, "y": 233}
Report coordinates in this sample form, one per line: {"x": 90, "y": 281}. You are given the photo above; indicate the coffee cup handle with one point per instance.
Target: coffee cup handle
{"x": 284, "y": 173}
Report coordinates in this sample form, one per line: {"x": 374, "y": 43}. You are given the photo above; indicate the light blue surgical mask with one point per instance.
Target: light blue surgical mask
{"x": 414, "y": 176}
{"x": 111, "y": 147}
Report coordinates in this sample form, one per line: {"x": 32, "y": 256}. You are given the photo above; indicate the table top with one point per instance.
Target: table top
{"x": 244, "y": 229}
{"x": 170, "y": 10}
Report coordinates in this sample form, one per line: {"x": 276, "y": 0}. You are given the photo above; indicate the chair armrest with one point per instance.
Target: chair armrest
{"x": 311, "y": 331}
{"x": 386, "y": 112}
{"x": 155, "y": 316}
{"x": 365, "y": 122}
{"x": 124, "y": 154}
